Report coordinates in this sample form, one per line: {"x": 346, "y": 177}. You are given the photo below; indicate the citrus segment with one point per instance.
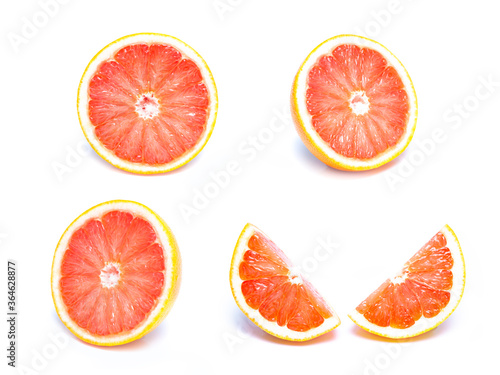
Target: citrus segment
{"x": 115, "y": 273}
{"x": 421, "y": 296}
{"x": 147, "y": 103}
{"x": 273, "y": 295}
{"x": 353, "y": 103}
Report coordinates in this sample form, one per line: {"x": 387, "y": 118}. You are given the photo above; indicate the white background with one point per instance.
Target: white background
{"x": 254, "y": 49}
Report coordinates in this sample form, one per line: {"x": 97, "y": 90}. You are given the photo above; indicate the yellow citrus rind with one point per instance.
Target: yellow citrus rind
{"x": 270, "y": 327}
{"x": 83, "y": 99}
{"x": 172, "y": 277}
{"x": 426, "y": 324}
{"x": 302, "y": 118}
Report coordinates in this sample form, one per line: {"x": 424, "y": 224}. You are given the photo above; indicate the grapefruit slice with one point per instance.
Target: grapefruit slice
{"x": 353, "y": 103}
{"x": 272, "y": 294}
{"x": 115, "y": 274}
{"x": 147, "y": 103}
{"x": 421, "y": 296}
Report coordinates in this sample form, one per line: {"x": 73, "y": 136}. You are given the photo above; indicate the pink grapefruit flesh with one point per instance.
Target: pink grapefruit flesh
{"x": 112, "y": 273}
{"x": 116, "y": 273}
{"x": 148, "y": 103}
{"x": 422, "y": 295}
{"x": 267, "y": 287}
{"x": 358, "y": 102}
{"x": 422, "y": 290}
{"x": 271, "y": 292}
{"x": 353, "y": 103}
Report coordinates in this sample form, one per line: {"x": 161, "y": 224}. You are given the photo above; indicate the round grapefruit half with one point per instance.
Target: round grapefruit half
{"x": 116, "y": 273}
{"x": 421, "y": 296}
{"x": 272, "y": 294}
{"x": 353, "y": 103}
{"x": 147, "y": 103}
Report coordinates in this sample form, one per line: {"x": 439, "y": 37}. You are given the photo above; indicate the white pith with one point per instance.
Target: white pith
{"x": 254, "y": 315}
{"x": 359, "y": 108}
{"x": 306, "y": 119}
{"x": 108, "y": 52}
{"x": 164, "y": 239}
{"x": 398, "y": 279}
{"x": 147, "y": 106}
{"x": 295, "y": 278}
{"x": 425, "y": 324}
{"x": 110, "y": 275}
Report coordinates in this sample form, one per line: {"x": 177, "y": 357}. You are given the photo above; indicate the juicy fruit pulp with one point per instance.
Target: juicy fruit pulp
{"x": 421, "y": 290}
{"x": 148, "y": 103}
{"x": 112, "y": 273}
{"x": 357, "y": 101}
{"x": 279, "y": 295}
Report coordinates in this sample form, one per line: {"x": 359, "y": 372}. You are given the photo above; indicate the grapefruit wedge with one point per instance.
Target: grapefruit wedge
{"x": 116, "y": 273}
{"x": 421, "y": 296}
{"x": 147, "y": 103}
{"x": 353, "y": 103}
{"x": 272, "y": 294}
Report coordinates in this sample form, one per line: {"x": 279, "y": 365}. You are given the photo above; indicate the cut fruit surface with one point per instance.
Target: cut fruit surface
{"x": 147, "y": 103}
{"x": 353, "y": 103}
{"x": 421, "y": 296}
{"x": 115, "y": 273}
{"x": 272, "y": 294}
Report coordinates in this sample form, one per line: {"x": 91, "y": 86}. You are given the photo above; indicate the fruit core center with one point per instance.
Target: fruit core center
{"x": 359, "y": 103}
{"x": 110, "y": 275}
{"x": 294, "y": 277}
{"x": 147, "y": 106}
{"x": 400, "y": 277}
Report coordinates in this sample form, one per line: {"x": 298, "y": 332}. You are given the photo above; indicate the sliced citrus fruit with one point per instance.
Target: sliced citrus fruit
{"x": 147, "y": 103}
{"x": 116, "y": 273}
{"x": 353, "y": 103}
{"x": 272, "y": 294}
{"x": 421, "y": 296}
